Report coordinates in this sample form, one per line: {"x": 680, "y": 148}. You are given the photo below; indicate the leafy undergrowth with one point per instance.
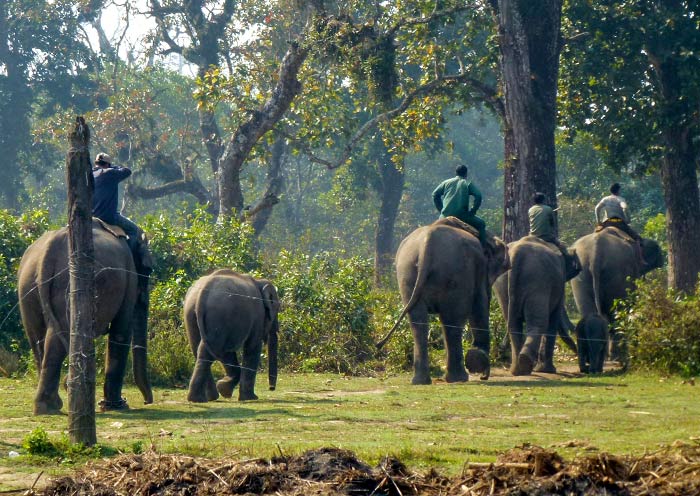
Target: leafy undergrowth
{"x": 531, "y": 470}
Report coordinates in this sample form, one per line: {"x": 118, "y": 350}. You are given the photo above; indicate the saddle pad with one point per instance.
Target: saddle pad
{"x": 455, "y": 222}
{"x": 115, "y": 231}
{"x": 617, "y": 232}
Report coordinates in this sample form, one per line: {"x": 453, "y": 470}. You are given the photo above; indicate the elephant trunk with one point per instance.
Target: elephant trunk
{"x": 272, "y": 354}
{"x": 139, "y": 341}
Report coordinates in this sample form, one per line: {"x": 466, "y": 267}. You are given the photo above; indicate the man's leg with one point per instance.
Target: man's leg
{"x": 479, "y": 224}
{"x": 131, "y": 230}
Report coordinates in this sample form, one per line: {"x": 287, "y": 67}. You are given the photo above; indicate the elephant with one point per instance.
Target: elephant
{"x": 592, "y": 340}
{"x": 442, "y": 269}
{"x": 609, "y": 266}
{"x": 532, "y": 292}
{"x": 121, "y": 312}
{"x": 226, "y": 312}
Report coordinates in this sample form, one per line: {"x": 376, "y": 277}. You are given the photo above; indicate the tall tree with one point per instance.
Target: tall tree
{"x": 634, "y": 84}
{"x": 529, "y": 42}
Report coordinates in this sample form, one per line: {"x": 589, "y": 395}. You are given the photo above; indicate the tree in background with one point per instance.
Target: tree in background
{"x": 633, "y": 83}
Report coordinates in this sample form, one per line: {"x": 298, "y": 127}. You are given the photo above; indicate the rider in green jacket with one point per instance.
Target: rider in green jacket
{"x": 451, "y": 198}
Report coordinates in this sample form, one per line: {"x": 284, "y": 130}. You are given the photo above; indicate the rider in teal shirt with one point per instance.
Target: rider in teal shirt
{"x": 451, "y": 197}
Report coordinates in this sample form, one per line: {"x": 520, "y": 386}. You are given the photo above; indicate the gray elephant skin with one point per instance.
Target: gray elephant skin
{"x": 592, "y": 340}
{"x": 441, "y": 269}
{"x": 609, "y": 267}
{"x": 121, "y": 312}
{"x": 226, "y": 313}
{"x": 531, "y": 297}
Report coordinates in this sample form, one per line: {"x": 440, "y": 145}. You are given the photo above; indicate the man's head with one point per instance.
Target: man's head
{"x": 462, "y": 170}
{"x": 538, "y": 198}
{"x": 103, "y": 160}
{"x": 615, "y": 189}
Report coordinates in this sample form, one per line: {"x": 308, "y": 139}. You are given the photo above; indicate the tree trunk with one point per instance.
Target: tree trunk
{"x": 680, "y": 184}
{"x": 260, "y": 213}
{"x": 529, "y": 44}
{"x": 81, "y": 382}
{"x": 391, "y": 189}
{"x": 247, "y": 135}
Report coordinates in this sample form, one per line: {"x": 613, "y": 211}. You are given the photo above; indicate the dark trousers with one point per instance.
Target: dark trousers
{"x": 623, "y": 226}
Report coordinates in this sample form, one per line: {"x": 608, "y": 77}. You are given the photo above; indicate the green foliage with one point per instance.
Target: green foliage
{"x": 17, "y": 233}
{"x": 38, "y": 444}
{"x": 655, "y": 229}
{"x": 662, "y": 327}
{"x": 328, "y": 305}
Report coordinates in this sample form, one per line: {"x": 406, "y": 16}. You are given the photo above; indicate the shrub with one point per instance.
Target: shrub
{"x": 17, "y": 233}
{"x": 662, "y": 327}
{"x": 327, "y": 312}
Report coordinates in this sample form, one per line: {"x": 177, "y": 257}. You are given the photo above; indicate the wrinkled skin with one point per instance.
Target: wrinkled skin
{"x": 227, "y": 313}
{"x": 592, "y": 340}
{"x": 121, "y": 312}
{"x": 442, "y": 270}
{"x": 531, "y": 297}
{"x": 609, "y": 267}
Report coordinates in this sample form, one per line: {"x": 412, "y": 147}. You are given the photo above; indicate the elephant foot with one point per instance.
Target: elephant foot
{"x": 523, "y": 366}
{"x": 211, "y": 392}
{"x": 547, "y": 368}
{"x": 197, "y": 397}
{"x": 421, "y": 380}
{"x": 48, "y": 407}
{"x": 226, "y": 386}
{"x": 460, "y": 376}
{"x": 109, "y": 406}
{"x": 246, "y": 396}
{"x": 478, "y": 362}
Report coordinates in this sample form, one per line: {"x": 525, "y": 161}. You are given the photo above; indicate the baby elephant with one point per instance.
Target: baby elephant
{"x": 227, "y": 312}
{"x": 592, "y": 342}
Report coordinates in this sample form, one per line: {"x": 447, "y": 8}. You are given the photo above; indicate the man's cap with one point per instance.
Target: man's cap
{"x": 103, "y": 157}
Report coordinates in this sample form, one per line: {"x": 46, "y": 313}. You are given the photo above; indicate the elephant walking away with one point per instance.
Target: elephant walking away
{"x": 442, "y": 269}
{"x": 531, "y": 297}
{"x": 226, "y": 313}
{"x": 609, "y": 266}
{"x": 121, "y": 312}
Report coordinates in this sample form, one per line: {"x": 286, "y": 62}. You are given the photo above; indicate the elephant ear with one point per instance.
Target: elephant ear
{"x": 270, "y": 299}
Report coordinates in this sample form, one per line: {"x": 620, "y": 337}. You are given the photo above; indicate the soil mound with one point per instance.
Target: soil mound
{"x": 526, "y": 470}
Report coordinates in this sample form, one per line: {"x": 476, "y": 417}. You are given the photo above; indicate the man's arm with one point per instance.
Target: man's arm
{"x": 474, "y": 191}
{"x": 597, "y": 211}
{"x": 625, "y": 212}
{"x": 437, "y": 196}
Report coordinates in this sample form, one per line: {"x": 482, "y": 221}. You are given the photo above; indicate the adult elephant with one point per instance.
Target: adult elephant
{"x": 609, "y": 266}
{"x": 531, "y": 297}
{"x": 121, "y": 312}
{"x": 442, "y": 269}
{"x": 227, "y": 312}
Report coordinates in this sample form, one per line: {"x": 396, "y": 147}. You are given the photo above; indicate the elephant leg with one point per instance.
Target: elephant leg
{"x": 201, "y": 380}
{"x": 536, "y": 324}
{"x": 452, "y": 334}
{"x": 117, "y": 352}
{"x": 420, "y": 329}
{"x": 47, "y": 400}
{"x": 517, "y": 338}
{"x": 546, "y": 358}
{"x": 210, "y": 388}
{"x": 249, "y": 368}
{"x": 226, "y": 385}
{"x": 583, "y": 354}
{"x": 477, "y": 358}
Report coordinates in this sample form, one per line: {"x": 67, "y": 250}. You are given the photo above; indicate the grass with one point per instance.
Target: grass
{"x": 442, "y": 425}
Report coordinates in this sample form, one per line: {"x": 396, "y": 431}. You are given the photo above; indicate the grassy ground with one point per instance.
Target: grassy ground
{"x": 442, "y": 425}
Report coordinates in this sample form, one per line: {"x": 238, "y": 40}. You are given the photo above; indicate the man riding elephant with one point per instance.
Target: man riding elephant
{"x": 451, "y": 198}
{"x": 612, "y": 211}
{"x": 104, "y": 204}
{"x": 542, "y": 225}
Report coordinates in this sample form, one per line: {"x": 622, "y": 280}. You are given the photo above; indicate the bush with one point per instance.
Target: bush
{"x": 326, "y": 322}
{"x": 662, "y": 327}
{"x": 17, "y": 233}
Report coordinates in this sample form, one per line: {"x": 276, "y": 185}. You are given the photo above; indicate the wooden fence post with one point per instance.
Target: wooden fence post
{"x": 81, "y": 374}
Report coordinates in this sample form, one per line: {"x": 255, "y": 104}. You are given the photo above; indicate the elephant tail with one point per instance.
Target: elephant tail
{"x": 515, "y": 302}
{"x": 421, "y": 278}
{"x": 46, "y": 275}
{"x": 199, "y": 311}
{"x": 595, "y": 280}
